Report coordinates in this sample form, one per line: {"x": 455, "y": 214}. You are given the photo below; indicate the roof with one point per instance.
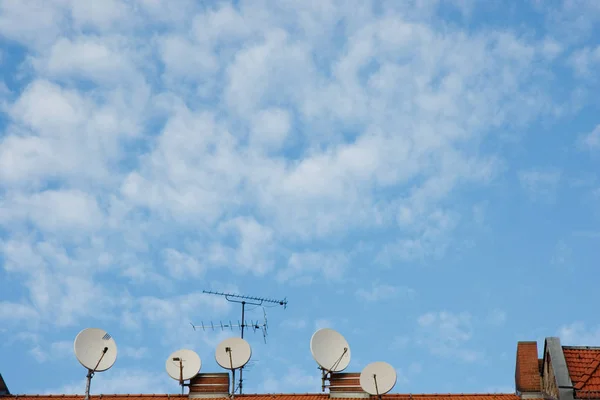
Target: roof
{"x": 583, "y": 363}
{"x": 435, "y": 396}
{"x": 97, "y": 397}
{"x": 305, "y": 396}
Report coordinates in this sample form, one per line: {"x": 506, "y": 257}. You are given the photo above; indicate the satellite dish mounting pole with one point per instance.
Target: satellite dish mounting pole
{"x": 243, "y": 300}
{"x": 180, "y": 361}
{"x": 324, "y": 377}
{"x": 88, "y": 382}
{"x": 90, "y": 375}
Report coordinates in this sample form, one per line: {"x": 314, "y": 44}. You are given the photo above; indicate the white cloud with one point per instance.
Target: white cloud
{"x": 446, "y": 334}
{"x": 182, "y": 266}
{"x": 585, "y": 61}
{"x": 200, "y": 61}
{"x": 293, "y": 324}
{"x": 539, "y": 184}
{"x": 51, "y": 353}
{"x": 88, "y": 57}
{"x": 306, "y": 267}
{"x": 562, "y": 254}
{"x": 135, "y": 353}
{"x": 58, "y": 211}
{"x": 400, "y": 342}
{"x": 270, "y": 128}
{"x": 591, "y": 140}
{"x": 382, "y": 291}
{"x": 31, "y": 23}
{"x": 429, "y": 236}
{"x": 15, "y": 311}
{"x": 62, "y": 134}
{"x": 323, "y": 323}
{"x": 102, "y": 16}
{"x": 496, "y": 317}
{"x": 578, "y": 334}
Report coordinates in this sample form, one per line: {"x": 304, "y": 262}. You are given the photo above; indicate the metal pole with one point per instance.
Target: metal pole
{"x": 243, "y": 325}
{"x": 88, "y": 383}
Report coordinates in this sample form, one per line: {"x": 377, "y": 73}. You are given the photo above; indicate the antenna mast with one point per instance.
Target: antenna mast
{"x": 246, "y": 300}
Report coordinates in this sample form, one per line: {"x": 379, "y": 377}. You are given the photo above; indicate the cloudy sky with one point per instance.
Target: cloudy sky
{"x": 420, "y": 175}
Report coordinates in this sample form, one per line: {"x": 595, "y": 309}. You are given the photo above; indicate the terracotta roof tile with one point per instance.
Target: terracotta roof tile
{"x": 583, "y": 364}
{"x": 94, "y": 397}
{"x": 277, "y": 396}
{"x": 436, "y": 396}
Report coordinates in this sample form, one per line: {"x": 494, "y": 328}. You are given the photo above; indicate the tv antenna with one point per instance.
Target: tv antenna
{"x": 378, "y": 378}
{"x": 182, "y": 365}
{"x": 331, "y": 351}
{"x": 233, "y": 353}
{"x": 254, "y": 325}
{"x": 96, "y": 350}
{"x": 243, "y": 300}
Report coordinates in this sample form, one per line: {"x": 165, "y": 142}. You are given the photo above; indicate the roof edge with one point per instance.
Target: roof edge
{"x": 151, "y": 395}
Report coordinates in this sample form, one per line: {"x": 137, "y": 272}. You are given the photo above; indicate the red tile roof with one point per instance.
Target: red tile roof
{"x": 277, "y": 396}
{"x": 94, "y": 397}
{"x": 583, "y": 363}
{"x": 436, "y": 396}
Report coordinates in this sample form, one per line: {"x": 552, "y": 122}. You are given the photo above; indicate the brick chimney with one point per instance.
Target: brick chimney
{"x": 209, "y": 386}
{"x": 528, "y": 380}
{"x": 346, "y": 385}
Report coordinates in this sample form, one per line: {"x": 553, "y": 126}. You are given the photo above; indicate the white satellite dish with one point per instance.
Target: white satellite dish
{"x": 330, "y": 350}
{"x": 233, "y": 353}
{"x": 183, "y": 365}
{"x": 95, "y": 349}
{"x": 378, "y": 378}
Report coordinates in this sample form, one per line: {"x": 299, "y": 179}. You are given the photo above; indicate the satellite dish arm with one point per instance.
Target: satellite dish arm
{"x": 376, "y": 388}
{"x": 337, "y": 362}
{"x": 100, "y": 360}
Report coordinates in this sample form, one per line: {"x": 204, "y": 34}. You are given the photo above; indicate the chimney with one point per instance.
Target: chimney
{"x": 346, "y": 385}
{"x": 209, "y": 386}
{"x": 528, "y": 380}
{"x": 3, "y": 388}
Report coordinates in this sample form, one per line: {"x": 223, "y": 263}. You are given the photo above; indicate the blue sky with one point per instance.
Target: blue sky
{"x": 420, "y": 175}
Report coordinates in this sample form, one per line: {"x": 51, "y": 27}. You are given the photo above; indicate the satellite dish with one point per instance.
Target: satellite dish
{"x": 233, "y": 353}
{"x": 330, "y": 350}
{"x": 378, "y": 378}
{"x": 183, "y": 365}
{"x": 95, "y": 349}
